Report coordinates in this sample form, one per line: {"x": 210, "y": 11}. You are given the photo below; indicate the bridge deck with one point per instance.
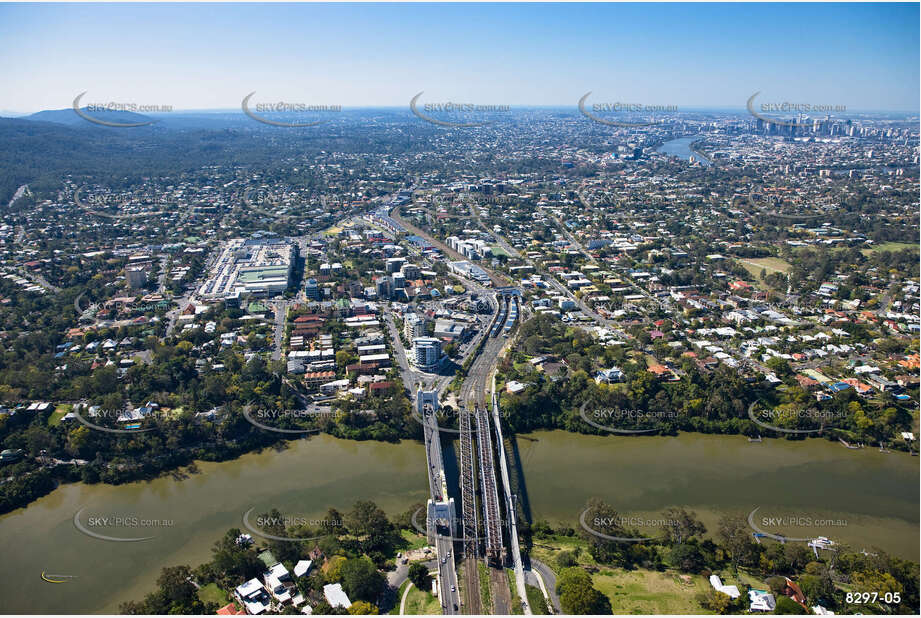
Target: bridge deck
{"x": 468, "y": 486}
{"x": 490, "y": 496}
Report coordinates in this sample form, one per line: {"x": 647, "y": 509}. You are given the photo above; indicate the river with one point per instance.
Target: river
{"x": 865, "y": 498}
{"x": 301, "y": 481}
{"x": 874, "y": 494}
{"x": 681, "y": 148}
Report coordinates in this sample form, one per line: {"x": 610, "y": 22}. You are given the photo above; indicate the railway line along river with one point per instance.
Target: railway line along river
{"x": 875, "y": 494}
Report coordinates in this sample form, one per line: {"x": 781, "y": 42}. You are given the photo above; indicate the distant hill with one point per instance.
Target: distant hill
{"x": 70, "y": 117}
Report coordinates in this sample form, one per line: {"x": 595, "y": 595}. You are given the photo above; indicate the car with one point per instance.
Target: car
{"x": 443, "y": 560}
{"x": 452, "y": 589}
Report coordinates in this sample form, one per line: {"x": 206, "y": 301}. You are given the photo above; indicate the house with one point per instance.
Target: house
{"x": 731, "y": 591}
{"x": 278, "y": 582}
{"x": 761, "y": 601}
{"x": 253, "y": 597}
{"x": 336, "y": 596}
{"x": 609, "y": 376}
{"x": 231, "y": 609}
{"x": 792, "y": 590}
{"x": 514, "y": 387}
{"x": 302, "y": 567}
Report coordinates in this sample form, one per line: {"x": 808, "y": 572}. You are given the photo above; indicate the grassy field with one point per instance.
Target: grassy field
{"x": 212, "y": 594}
{"x": 420, "y": 602}
{"x": 536, "y": 600}
{"x": 650, "y": 592}
{"x": 546, "y": 549}
{"x": 771, "y": 265}
{"x": 55, "y": 419}
{"x": 414, "y": 539}
{"x": 744, "y": 578}
{"x": 889, "y": 246}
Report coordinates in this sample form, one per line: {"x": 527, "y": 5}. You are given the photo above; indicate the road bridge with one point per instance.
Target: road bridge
{"x": 440, "y": 516}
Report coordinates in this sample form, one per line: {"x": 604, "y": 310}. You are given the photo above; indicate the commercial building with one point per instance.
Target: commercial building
{"x": 413, "y": 326}
{"x": 136, "y": 276}
{"x": 470, "y": 271}
{"x": 259, "y": 266}
{"x": 446, "y": 329}
{"x": 426, "y": 353}
{"x": 312, "y": 290}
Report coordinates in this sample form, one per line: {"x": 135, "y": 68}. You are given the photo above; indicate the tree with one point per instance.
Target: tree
{"x": 687, "y": 557}
{"x": 786, "y": 605}
{"x": 715, "y": 601}
{"x": 334, "y": 568}
{"x": 234, "y": 560}
{"x": 419, "y": 575}
{"x": 817, "y": 588}
{"x": 359, "y": 608}
{"x": 682, "y": 525}
{"x": 735, "y": 536}
{"x": 577, "y": 594}
{"x": 368, "y": 520}
{"x": 361, "y": 579}
{"x": 175, "y": 594}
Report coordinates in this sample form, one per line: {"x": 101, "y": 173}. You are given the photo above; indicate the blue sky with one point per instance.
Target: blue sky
{"x": 206, "y": 56}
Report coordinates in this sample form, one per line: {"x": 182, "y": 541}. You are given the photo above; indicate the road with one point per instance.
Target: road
{"x": 38, "y": 279}
{"x": 447, "y": 576}
{"x": 549, "y": 579}
{"x": 444, "y": 543}
{"x": 281, "y": 312}
{"x": 407, "y": 373}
